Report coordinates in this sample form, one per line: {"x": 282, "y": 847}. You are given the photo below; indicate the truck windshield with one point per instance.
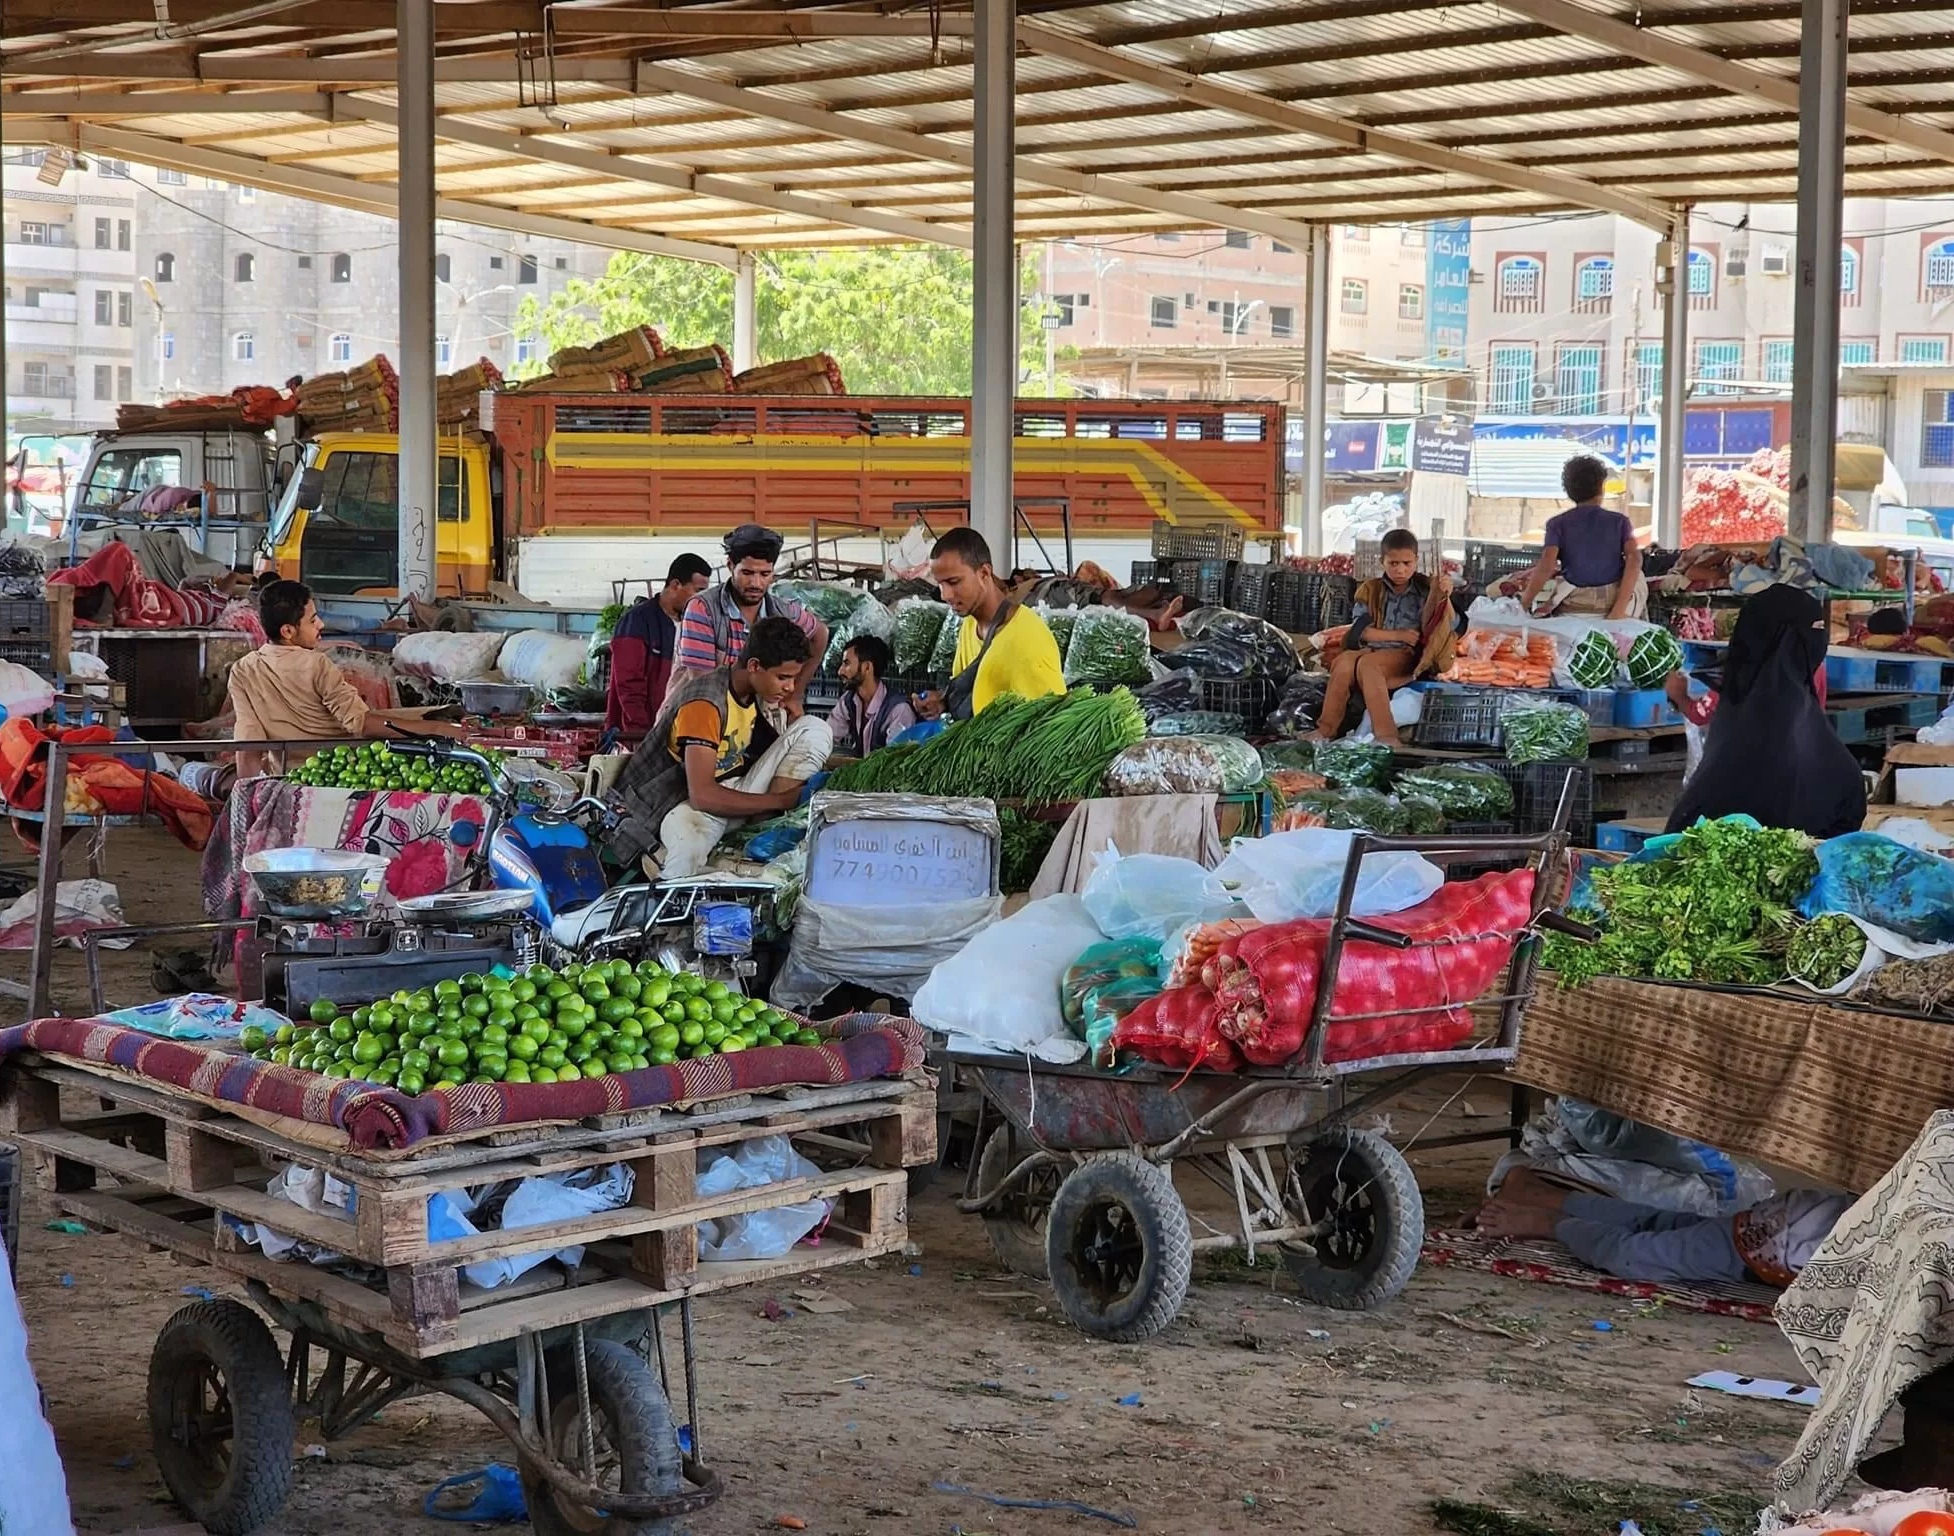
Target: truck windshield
{"x": 120, "y": 475}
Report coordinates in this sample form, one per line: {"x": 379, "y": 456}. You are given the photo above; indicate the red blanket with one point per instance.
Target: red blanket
{"x": 98, "y": 785}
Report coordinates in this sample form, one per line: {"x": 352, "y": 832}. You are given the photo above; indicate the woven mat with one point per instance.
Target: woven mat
{"x": 1837, "y": 1094}
{"x": 1548, "y": 1263}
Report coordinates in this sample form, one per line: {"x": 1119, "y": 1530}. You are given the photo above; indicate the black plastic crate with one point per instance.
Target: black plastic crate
{"x": 1204, "y": 583}
{"x": 1536, "y": 796}
{"x": 1248, "y": 589}
{"x": 1488, "y": 563}
{"x": 1295, "y": 600}
{"x": 1145, "y": 573}
{"x": 1249, "y": 699}
{"x": 10, "y": 1199}
{"x": 1339, "y": 594}
{"x": 1198, "y": 541}
{"x": 1462, "y": 717}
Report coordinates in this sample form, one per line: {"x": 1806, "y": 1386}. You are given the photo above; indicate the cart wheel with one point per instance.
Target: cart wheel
{"x": 1118, "y": 1248}
{"x": 220, "y": 1417}
{"x": 632, "y": 1442}
{"x": 1016, "y": 1224}
{"x": 1357, "y": 1190}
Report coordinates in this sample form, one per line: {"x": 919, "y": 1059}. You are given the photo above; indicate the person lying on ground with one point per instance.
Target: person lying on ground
{"x": 1403, "y": 626}
{"x": 1768, "y": 1243}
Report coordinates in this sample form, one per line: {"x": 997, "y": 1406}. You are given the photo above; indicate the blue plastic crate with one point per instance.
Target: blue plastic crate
{"x": 1883, "y": 674}
{"x": 1622, "y": 836}
{"x": 1598, "y": 702}
{"x": 1642, "y": 709}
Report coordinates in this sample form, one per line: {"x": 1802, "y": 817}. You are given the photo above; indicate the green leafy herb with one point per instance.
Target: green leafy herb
{"x": 1823, "y": 952}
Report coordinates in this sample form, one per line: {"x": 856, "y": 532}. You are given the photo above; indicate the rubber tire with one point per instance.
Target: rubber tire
{"x": 624, "y": 1390}
{"x": 1017, "y": 1246}
{"x": 231, "y": 1337}
{"x": 1367, "y": 1161}
{"x": 1145, "y": 1192}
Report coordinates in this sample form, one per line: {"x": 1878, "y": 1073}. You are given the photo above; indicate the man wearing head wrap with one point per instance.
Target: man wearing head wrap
{"x": 713, "y": 632}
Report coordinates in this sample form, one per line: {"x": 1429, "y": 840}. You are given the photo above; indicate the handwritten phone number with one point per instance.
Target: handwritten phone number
{"x": 923, "y": 877}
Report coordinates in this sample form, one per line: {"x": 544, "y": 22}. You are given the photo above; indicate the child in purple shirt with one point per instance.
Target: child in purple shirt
{"x": 1591, "y": 563}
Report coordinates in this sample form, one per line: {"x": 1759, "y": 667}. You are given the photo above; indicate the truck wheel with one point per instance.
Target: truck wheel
{"x": 632, "y": 1443}
{"x": 1016, "y": 1224}
{"x": 1118, "y": 1247}
{"x": 1360, "y": 1195}
{"x": 220, "y": 1417}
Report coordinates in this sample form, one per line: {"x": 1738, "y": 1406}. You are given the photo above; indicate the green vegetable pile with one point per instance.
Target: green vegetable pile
{"x": 1823, "y": 952}
{"x": 1108, "y": 645}
{"x": 1061, "y": 622}
{"x": 1464, "y": 792}
{"x": 1037, "y": 750}
{"x": 375, "y": 765}
{"x": 943, "y": 656}
{"x": 542, "y": 1026}
{"x": 1371, "y": 810}
{"x": 919, "y": 624}
{"x": 1354, "y": 764}
{"x": 1716, "y": 907}
{"x": 1545, "y": 732}
{"x": 1023, "y": 842}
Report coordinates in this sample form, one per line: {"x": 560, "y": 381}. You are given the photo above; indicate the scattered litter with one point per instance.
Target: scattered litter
{"x": 685, "y": 1439}
{"x": 853, "y": 1381}
{"x": 818, "y": 1302}
{"x": 315, "y": 1453}
{"x": 1321, "y": 1335}
{"x": 67, "y": 1227}
{"x": 1472, "y": 1325}
{"x": 790, "y": 1522}
{"x": 1061, "y": 1397}
{"x": 68, "y": 1281}
{"x": 1629, "y": 1528}
{"x": 498, "y": 1500}
{"x": 201, "y": 1292}
{"x": 1070, "y": 1506}
{"x": 1131, "y": 1400}
{"x": 1602, "y": 1325}
{"x": 912, "y": 1250}
{"x": 1378, "y": 1426}
{"x": 1805, "y": 1396}
{"x": 915, "y": 1269}
{"x": 774, "y": 1312}
{"x": 1008, "y": 1295}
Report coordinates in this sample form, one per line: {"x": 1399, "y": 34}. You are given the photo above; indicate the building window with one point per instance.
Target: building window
{"x": 1280, "y": 249}
{"x": 103, "y": 234}
{"x": 245, "y": 267}
{"x": 1594, "y": 284}
{"x": 122, "y": 234}
{"x": 1936, "y": 429}
{"x": 1235, "y": 240}
{"x": 169, "y": 344}
{"x": 244, "y": 346}
{"x": 20, "y": 155}
{"x": 33, "y": 232}
{"x": 339, "y": 347}
{"x": 525, "y": 350}
{"x": 1412, "y": 236}
{"x": 495, "y": 263}
{"x": 165, "y": 267}
{"x": 443, "y": 268}
{"x": 115, "y": 170}
{"x": 1168, "y": 237}
{"x": 125, "y": 308}
{"x": 1066, "y": 303}
{"x": 525, "y": 269}
{"x": 247, "y": 194}
{"x": 1282, "y": 320}
{"x": 1702, "y": 279}
{"x": 104, "y": 381}
{"x": 1848, "y": 275}
{"x": 1577, "y": 379}
{"x": 1510, "y": 385}
{"x": 1234, "y": 317}
{"x": 1645, "y": 373}
{"x": 1358, "y": 234}
{"x": 165, "y": 177}
{"x": 1923, "y": 349}
{"x": 444, "y": 351}
{"x": 1163, "y": 312}
{"x": 104, "y": 307}
{"x": 125, "y": 383}
{"x": 33, "y": 378}
{"x": 1411, "y": 301}
{"x": 1356, "y": 296}
{"x": 1858, "y": 352}
{"x": 1718, "y": 362}
{"x": 563, "y": 263}
{"x": 1777, "y": 361}
{"x": 1939, "y": 266}
{"x": 342, "y": 268}
{"x": 1520, "y": 285}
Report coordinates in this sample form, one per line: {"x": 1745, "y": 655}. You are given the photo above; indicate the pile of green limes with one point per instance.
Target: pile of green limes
{"x": 541, "y": 1026}
{"x": 375, "y": 765}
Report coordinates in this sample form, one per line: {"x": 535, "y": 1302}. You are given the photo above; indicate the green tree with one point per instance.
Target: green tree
{"x": 896, "y": 318}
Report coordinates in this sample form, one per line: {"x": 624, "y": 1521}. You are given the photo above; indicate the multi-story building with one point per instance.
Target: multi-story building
{"x": 70, "y": 291}
{"x": 240, "y": 287}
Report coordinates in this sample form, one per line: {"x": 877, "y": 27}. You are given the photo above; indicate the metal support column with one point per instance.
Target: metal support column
{"x": 419, "y": 439}
{"x": 1821, "y": 227}
{"x": 994, "y": 369}
{"x": 1673, "y": 289}
{"x": 746, "y": 321}
{"x": 1316, "y": 381}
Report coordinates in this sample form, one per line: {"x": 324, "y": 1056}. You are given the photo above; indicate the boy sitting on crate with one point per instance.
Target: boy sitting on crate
{"x": 1403, "y": 626}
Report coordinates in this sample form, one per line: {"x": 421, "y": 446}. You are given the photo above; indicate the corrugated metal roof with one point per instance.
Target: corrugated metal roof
{"x": 835, "y": 126}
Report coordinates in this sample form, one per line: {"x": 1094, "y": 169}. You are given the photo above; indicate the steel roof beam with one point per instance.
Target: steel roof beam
{"x": 161, "y": 103}
{"x": 1738, "y": 79}
{"x": 653, "y": 78}
{"x": 380, "y": 198}
{"x": 1192, "y": 88}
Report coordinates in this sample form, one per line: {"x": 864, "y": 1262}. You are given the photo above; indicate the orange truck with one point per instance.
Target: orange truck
{"x": 557, "y": 495}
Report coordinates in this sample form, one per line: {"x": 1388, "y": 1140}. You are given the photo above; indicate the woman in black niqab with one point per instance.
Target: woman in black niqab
{"x": 1771, "y": 753}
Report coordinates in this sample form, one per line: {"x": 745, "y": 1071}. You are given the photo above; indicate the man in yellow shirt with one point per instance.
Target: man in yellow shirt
{"x": 1001, "y": 647}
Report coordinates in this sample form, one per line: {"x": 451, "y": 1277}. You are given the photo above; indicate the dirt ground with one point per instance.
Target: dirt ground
{"x": 1254, "y": 1411}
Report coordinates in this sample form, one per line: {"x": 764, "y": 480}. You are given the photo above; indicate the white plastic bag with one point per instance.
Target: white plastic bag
{"x": 1001, "y": 989}
{"x": 757, "y": 1234}
{"x": 448, "y": 658}
{"x": 34, "y": 1491}
{"x": 1882, "y": 945}
{"x": 1297, "y": 874}
{"x": 23, "y": 691}
{"x": 1149, "y": 895}
{"x": 79, "y": 905}
{"x": 542, "y": 659}
{"x": 558, "y": 1197}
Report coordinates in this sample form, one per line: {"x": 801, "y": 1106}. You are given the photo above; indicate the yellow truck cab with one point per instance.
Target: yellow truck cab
{"x": 337, "y": 527}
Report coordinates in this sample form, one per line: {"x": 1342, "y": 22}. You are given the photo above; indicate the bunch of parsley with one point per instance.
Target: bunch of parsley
{"x": 1716, "y": 907}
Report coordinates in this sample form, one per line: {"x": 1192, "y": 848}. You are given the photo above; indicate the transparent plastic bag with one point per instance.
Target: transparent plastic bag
{"x": 1354, "y": 810}
{"x": 1149, "y": 895}
{"x": 1102, "y": 964}
{"x": 1545, "y": 732}
{"x": 1464, "y": 792}
{"x": 919, "y": 623}
{"x": 1061, "y": 622}
{"x": 826, "y": 600}
{"x": 943, "y": 656}
{"x": 1108, "y": 646}
{"x": 1103, "y": 1008}
{"x": 1353, "y": 764}
{"x": 867, "y": 617}
{"x": 1185, "y": 765}
{"x": 1291, "y": 875}
{"x": 764, "y": 1234}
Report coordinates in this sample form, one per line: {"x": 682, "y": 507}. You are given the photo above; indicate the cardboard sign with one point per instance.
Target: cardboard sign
{"x": 875, "y": 863}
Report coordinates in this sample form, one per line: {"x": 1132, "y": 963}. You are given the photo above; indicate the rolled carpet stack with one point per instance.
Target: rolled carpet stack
{"x": 689, "y": 371}
{"x": 362, "y": 399}
{"x": 816, "y": 375}
{"x": 458, "y": 395}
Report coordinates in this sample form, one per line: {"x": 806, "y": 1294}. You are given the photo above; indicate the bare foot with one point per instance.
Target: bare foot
{"x": 1503, "y": 1219}
{"x": 1524, "y": 1186}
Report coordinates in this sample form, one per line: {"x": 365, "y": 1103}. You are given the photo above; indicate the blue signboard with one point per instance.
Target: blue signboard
{"x": 1448, "y": 282}
{"x": 1605, "y": 435}
{"x": 1353, "y": 447}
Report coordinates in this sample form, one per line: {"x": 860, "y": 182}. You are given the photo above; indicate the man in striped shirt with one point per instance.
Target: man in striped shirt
{"x": 713, "y": 632}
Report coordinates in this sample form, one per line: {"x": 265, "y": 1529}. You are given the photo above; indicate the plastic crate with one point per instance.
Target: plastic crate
{"x": 1145, "y": 573}
{"x": 10, "y": 1198}
{"x": 1368, "y": 560}
{"x": 1536, "y": 796}
{"x": 1883, "y": 674}
{"x": 1488, "y": 563}
{"x": 1622, "y": 836}
{"x": 1248, "y": 589}
{"x": 1295, "y": 600}
{"x": 824, "y": 691}
{"x": 1644, "y": 709}
{"x": 1249, "y": 699}
{"x": 1339, "y": 597}
{"x": 1598, "y": 702}
{"x": 1198, "y": 541}
{"x": 26, "y": 619}
{"x": 1204, "y": 583}
{"x": 1462, "y": 717}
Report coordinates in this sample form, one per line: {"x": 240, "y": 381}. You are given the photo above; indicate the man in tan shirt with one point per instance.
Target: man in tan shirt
{"x": 290, "y": 690}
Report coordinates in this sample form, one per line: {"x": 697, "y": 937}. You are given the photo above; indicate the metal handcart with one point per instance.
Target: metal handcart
{"x": 1074, "y": 1176}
